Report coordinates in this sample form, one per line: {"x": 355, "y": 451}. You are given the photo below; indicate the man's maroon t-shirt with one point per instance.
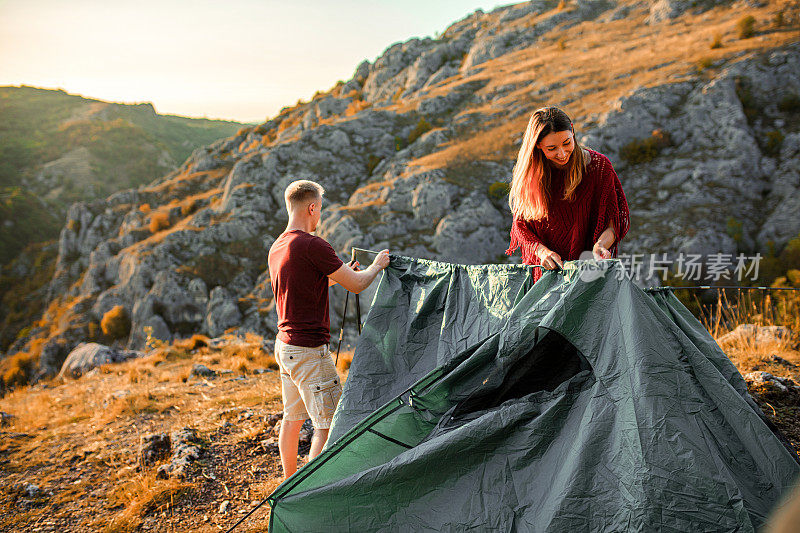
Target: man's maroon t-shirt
{"x": 299, "y": 265}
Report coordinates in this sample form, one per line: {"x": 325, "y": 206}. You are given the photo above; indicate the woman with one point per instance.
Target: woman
{"x": 566, "y": 199}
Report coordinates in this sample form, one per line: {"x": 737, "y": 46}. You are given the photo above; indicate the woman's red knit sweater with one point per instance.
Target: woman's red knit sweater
{"x": 573, "y": 227}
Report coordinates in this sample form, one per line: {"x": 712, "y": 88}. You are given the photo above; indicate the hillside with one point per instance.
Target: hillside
{"x": 57, "y": 148}
{"x": 414, "y": 150}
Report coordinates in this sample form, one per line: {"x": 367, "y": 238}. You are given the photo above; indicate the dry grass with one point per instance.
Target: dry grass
{"x": 158, "y": 221}
{"x": 344, "y": 362}
{"x": 753, "y": 307}
{"x": 777, "y": 356}
{"x": 356, "y": 106}
{"x": 116, "y": 323}
{"x": 79, "y": 439}
{"x": 141, "y": 496}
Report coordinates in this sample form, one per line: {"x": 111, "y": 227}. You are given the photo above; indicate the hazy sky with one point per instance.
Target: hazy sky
{"x": 237, "y": 59}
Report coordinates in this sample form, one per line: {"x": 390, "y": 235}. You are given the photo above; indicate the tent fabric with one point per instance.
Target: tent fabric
{"x": 478, "y": 401}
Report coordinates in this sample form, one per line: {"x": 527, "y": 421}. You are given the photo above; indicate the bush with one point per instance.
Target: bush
{"x": 18, "y": 369}
{"x": 422, "y": 127}
{"x": 159, "y": 221}
{"x": 644, "y": 150}
{"x": 498, "y": 190}
{"x": 717, "y": 42}
{"x": 189, "y": 206}
{"x": 194, "y": 342}
{"x": 734, "y": 229}
{"x": 746, "y": 26}
{"x": 372, "y": 162}
{"x": 774, "y": 143}
{"x": 789, "y": 103}
{"x": 749, "y": 105}
{"x": 116, "y": 323}
{"x": 778, "y": 19}
{"x": 704, "y": 63}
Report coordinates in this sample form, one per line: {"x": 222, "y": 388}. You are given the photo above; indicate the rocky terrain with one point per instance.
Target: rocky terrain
{"x": 416, "y": 149}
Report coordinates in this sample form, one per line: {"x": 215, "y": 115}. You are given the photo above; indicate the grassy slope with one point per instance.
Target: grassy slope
{"x": 124, "y": 147}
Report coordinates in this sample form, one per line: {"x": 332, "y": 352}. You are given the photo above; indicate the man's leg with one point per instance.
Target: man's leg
{"x": 288, "y": 439}
{"x": 318, "y": 442}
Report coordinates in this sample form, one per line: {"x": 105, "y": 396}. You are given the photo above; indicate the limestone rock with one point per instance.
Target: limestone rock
{"x": 222, "y": 312}
{"x": 87, "y": 356}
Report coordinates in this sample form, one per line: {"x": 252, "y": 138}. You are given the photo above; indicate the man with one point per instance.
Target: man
{"x": 301, "y": 267}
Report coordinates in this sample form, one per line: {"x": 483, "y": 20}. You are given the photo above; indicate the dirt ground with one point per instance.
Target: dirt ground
{"x": 78, "y": 442}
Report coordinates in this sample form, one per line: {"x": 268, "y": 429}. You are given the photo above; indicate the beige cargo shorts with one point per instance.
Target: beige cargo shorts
{"x": 310, "y": 386}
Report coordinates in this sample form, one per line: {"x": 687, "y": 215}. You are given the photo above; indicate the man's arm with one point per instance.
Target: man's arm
{"x": 356, "y": 281}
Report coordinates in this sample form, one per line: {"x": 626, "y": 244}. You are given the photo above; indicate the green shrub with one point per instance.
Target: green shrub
{"x": 372, "y": 162}
{"x": 749, "y": 106}
{"x": 644, "y": 150}
{"x": 746, "y": 26}
{"x": 717, "y": 42}
{"x": 774, "y": 143}
{"x": 704, "y": 63}
{"x": 778, "y": 19}
{"x": 789, "y": 103}
{"x": 116, "y": 323}
{"x": 734, "y": 229}
{"x": 422, "y": 127}
{"x": 498, "y": 190}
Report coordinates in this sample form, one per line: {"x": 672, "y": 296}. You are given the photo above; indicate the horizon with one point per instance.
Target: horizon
{"x": 156, "y": 57}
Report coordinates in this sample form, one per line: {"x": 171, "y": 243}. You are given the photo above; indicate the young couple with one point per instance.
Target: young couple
{"x": 566, "y": 200}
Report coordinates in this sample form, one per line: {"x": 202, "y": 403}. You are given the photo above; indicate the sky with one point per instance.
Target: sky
{"x": 238, "y": 59}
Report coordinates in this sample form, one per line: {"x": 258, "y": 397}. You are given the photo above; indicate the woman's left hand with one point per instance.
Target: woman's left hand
{"x": 599, "y": 252}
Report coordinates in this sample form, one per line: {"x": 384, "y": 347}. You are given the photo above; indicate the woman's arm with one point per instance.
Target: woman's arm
{"x": 601, "y": 249}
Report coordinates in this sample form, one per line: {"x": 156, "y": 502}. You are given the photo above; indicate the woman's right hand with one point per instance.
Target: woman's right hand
{"x": 549, "y": 259}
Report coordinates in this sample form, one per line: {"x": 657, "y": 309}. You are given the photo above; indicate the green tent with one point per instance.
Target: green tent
{"x": 478, "y": 401}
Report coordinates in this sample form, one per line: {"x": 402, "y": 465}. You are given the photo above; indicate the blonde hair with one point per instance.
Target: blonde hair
{"x": 531, "y": 189}
{"x": 300, "y": 191}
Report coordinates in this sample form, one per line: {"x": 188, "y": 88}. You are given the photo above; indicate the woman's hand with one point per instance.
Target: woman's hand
{"x": 549, "y": 259}
{"x": 600, "y": 252}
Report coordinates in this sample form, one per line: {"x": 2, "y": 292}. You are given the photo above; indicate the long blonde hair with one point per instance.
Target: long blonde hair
{"x": 531, "y": 189}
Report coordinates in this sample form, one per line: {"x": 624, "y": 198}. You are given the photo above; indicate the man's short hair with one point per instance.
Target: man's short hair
{"x": 301, "y": 191}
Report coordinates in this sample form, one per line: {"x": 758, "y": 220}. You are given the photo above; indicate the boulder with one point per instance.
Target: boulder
{"x": 754, "y": 334}
{"x": 89, "y": 355}
{"x": 222, "y": 312}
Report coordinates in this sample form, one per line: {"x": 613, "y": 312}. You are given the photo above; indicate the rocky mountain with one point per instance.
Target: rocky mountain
{"x": 696, "y": 107}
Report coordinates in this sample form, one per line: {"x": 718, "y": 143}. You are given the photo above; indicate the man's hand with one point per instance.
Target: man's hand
{"x": 355, "y": 280}
{"x": 381, "y": 260}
